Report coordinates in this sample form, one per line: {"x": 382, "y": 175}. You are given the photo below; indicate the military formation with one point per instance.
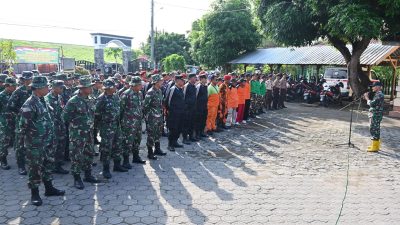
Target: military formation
{"x": 49, "y": 120}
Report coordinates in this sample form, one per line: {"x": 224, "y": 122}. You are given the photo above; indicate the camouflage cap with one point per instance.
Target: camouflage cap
{"x": 85, "y": 81}
{"x": 3, "y": 77}
{"x": 27, "y": 75}
{"x": 128, "y": 78}
{"x": 156, "y": 77}
{"x": 109, "y": 83}
{"x": 136, "y": 80}
{"x": 57, "y": 83}
{"x": 77, "y": 75}
{"x": 10, "y": 81}
{"x": 39, "y": 82}
{"x": 97, "y": 80}
{"x": 62, "y": 77}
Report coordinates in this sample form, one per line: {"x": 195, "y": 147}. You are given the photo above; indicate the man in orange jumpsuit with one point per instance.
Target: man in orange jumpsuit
{"x": 213, "y": 103}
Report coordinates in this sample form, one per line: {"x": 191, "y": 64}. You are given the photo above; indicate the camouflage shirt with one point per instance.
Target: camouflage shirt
{"x": 18, "y": 98}
{"x": 376, "y": 104}
{"x": 107, "y": 109}
{"x": 57, "y": 106}
{"x": 6, "y": 116}
{"x": 35, "y": 122}
{"x": 131, "y": 107}
{"x": 152, "y": 107}
{"x": 79, "y": 115}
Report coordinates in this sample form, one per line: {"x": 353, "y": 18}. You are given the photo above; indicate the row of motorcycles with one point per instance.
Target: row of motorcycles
{"x": 311, "y": 92}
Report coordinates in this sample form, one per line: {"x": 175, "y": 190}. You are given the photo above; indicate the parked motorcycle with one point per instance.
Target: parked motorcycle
{"x": 332, "y": 95}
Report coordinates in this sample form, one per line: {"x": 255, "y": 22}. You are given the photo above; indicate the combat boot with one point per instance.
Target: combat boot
{"x": 118, "y": 167}
{"x": 158, "y": 150}
{"x": 150, "y": 153}
{"x": 4, "y": 164}
{"x": 138, "y": 160}
{"x": 106, "y": 171}
{"x": 126, "y": 163}
{"x": 35, "y": 197}
{"x": 186, "y": 140}
{"x": 78, "y": 182}
{"x": 59, "y": 170}
{"x": 171, "y": 146}
{"x": 50, "y": 190}
{"x": 21, "y": 169}
{"x": 90, "y": 178}
{"x": 193, "y": 139}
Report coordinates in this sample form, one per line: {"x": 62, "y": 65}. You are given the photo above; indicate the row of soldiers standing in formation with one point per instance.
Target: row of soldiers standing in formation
{"x": 47, "y": 126}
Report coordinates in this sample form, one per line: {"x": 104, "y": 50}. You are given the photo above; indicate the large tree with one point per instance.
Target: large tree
{"x": 7, "y": 54}
{"x": 167, "y": 44}
{"x": 174, "y": 62}
{"x": 224, "y": 33}
{"x": 342, "y": 22}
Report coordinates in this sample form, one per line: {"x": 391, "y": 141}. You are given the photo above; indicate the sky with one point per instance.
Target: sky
{"x": 72, "y": 21}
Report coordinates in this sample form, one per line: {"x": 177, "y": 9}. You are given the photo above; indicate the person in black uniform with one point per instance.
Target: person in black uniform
{"x": 175, "y": 103}
{"x": 201, "y": 106}
{"x": 189, "y": 92}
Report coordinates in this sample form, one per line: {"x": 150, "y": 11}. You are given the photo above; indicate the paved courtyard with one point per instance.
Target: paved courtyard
{"x": 283, "y": 168}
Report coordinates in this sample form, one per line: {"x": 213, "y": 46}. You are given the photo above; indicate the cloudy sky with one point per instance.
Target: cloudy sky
{"x": 72, "y": 21}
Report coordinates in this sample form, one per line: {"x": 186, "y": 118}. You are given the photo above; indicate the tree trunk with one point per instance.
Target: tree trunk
{"x": 358, "y": 79}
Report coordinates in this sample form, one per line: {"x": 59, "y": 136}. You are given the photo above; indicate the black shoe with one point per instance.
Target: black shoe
{"x": 4, "y": 165}
{"x": 126, "y": 163}
{"x": 35, "y": 197}
{"x": 138, "y": 160}
{"x": 78, "y": 182}
{"x": 157, "y": 149}
{"x": 209, "y": 133}
{"x": 218, "y": 130}
{"x": 150, "y": 153}
{"x": 171, "y": 148}
{"x": 186, "y": 141}
{"x": 193, "y": 139}
{"x": 90, "y": 178}
{"x": 118, "y": 167}
{"x": 59, "y": 169}
{"x": 177, "y": 145}
{"x": 96, "y": 141}
{"x": 51, "y": 190}
{"x": 22, "y": 171}
{"x": 106, "y": 171}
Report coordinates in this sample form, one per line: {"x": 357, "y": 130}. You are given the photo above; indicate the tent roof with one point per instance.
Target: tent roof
{"x": 315, "y": 55}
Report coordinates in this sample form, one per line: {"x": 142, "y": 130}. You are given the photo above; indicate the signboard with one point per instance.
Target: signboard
{"x": 37, "y": 55}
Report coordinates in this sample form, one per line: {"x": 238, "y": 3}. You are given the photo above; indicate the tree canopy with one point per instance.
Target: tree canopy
{"x": 174, "y": 62}
{"x": 7, "y": 53}
{"x": 167, "y": 44}
{"x": 224, "y": 33}
{"x": 342, "y": 22}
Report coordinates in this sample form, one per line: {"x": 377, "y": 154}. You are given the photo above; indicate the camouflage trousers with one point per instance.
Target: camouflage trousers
{"x": 153, "y": 128}
{"x": 131, "y": 137}
{"x": 81, "y": 149}
{"x": 109, "y": 146}
{"x": 40, "y": 163}
{"x": 260, "y": 102}
{"x": 375, "y": 125}
{"x": 256, "y": 103}
{"x": 6, "y": 137}
{"x": 60, "y": 143}
{"x": 19, "y": 146}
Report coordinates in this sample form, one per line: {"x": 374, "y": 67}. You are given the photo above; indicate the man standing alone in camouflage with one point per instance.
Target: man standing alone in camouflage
{"x": 131, "y": 121}
{"x": 15, "y": 103}
{"x": 153, "y": 113}
{"x": 79, "y": 115}
{"x": 107, "y": 117}
{"x": 375, "y": 116}
{"x": 35, "y": 127}
{"x": 7, "y": 121}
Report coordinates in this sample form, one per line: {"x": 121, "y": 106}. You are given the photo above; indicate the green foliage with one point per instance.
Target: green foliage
{"x": 174, "y": 62}
{"x": 167, "y": 44}
{"x": 224, "y": 33}
{"x": 7, "y": 53}
{"x": 116, "y": 53}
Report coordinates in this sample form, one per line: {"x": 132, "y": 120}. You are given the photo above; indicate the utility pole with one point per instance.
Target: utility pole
{"x": 153, "y": 60}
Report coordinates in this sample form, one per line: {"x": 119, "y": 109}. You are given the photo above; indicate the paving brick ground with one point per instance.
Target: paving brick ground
{"x": 283, "y": 168}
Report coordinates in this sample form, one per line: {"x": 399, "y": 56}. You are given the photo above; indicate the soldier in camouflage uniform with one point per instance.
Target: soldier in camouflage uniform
{"x": 3, "y": 78}
{"x": 107, "y": 115}
{"x": 375, "y": 116}
{"x": 79, "y": 115}
{"x": 153, "y": 113}
{"x": 7, "y": 122}
{"x": 36, "y": 129}
{"x": 131, "y": 121}
{"x": 15, "y": 103}
{"x": 97, "y": 91}
{"x": 54, "y": 100}
{"x": 66, "y": 95}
